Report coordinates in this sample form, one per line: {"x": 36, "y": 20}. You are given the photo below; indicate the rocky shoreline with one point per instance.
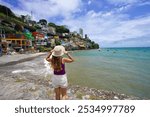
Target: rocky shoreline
{"x": 18, "y": 87}
{"x": 30, "y": 86}
{"x": 86, "y": 93}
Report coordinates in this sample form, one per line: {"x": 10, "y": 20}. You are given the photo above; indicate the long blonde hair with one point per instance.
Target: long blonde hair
{"x": 56, "y": 63}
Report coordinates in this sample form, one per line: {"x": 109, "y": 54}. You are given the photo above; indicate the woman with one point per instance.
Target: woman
{"x": 59, "y": 78}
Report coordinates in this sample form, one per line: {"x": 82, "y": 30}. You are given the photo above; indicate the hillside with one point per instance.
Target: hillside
{"x": 12, "y": 24}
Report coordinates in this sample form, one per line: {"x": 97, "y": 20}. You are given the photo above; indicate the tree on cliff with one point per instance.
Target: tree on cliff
{"x": 59, "y": 29}
{"x": 43, "y": 22}
{"x": 5, "y": 10}
{"x": 8, "y": 13}
{"x": 18, "y": 27}
{"x": 62, "y": 29}
{"x": 51, "y": 24}
{"x": 94, "y": 45}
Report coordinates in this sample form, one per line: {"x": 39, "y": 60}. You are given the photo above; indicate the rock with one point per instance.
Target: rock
{"x": 86, "y": 97}
{"x": 33, "y": 88}
{"x": 116, "y": 98}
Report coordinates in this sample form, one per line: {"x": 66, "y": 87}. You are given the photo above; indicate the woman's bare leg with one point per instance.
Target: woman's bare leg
{"x": 57, "y": 93}
{"x": 64, "y": 93}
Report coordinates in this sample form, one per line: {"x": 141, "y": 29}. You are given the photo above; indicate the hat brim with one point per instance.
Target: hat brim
{"x": 53, "y": 54}
{"x": 62, "y": 51}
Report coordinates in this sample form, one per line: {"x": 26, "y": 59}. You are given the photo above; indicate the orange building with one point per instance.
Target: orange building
{"x": 38, "y": 35}
{"x": 16, "y": 39}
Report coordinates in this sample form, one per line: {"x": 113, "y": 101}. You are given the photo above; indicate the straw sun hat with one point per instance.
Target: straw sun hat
{"x": 58, "y": 51}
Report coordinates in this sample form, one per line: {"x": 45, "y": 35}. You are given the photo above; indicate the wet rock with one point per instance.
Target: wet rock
{"x": 116, "y": 98}
{"x": 86, "y": 97}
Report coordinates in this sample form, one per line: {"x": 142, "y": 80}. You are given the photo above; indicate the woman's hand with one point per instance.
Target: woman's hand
{"x": 65, "y": 52}
{"x": 52, "y": 51}
{"x": 48, "y": 57}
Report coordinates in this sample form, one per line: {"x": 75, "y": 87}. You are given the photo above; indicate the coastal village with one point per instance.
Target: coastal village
{"x": 20, "y": 34}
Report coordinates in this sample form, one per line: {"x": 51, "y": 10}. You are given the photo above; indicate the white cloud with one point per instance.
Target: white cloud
{"x": 104, "y": 27}
{"x": 5, "y": 4}
{"x": 118, "y": 2}
{"x": 144, "y": 3}
{"x": 47, "y": 8}
{"x": 89, "y": 2}
{"x": 110, "y": 27}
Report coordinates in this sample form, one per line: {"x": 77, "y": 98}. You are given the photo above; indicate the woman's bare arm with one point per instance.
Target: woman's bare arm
{"x": 48, "y": 57}
{"x": 69, "y": 59}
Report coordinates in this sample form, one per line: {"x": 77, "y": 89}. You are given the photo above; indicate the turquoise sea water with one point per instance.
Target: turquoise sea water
{"x": 124, "y": 70}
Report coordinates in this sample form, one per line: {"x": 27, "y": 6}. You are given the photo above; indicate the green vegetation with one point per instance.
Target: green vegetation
{"x": 37, "y": 27}
{"x": 44, "y": 49}
{"x": 19, "y": 80}
{"x": 18, "y": 27}
{"x": 79, "y": 95}
{"x": 62, "y": 29}
{"x": 57, "y": 42}
{"x": 93, "y": 45}
{"x": 49, "y": 93}
{"x": 2, "y": 15}
{"x": 92, "y": 97}
{"x": 30, "y": 28}
{"x": 13, "y": 24}
{"x": 5, "y": 10}
{"x": 51, "y": 24}
{"x": 43, "y": 22}
{"x": 59, "y": 29}
{"x": 7, "y": 29}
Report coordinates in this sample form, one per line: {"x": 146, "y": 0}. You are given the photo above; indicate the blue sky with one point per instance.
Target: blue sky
{"x": 111, "y": 23}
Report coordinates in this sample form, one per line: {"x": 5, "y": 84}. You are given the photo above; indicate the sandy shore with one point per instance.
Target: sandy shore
{"x": 26, "y": 86}
{"x": 7, "y": 59}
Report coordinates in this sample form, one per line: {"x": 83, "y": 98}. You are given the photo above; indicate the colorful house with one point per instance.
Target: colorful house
{"x": 16, "y": 40}
{"x": 38, "y": 35}
{"x": 39, "y": 38}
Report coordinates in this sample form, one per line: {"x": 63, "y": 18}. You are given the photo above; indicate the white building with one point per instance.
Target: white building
{"x": 81, "y": 32}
